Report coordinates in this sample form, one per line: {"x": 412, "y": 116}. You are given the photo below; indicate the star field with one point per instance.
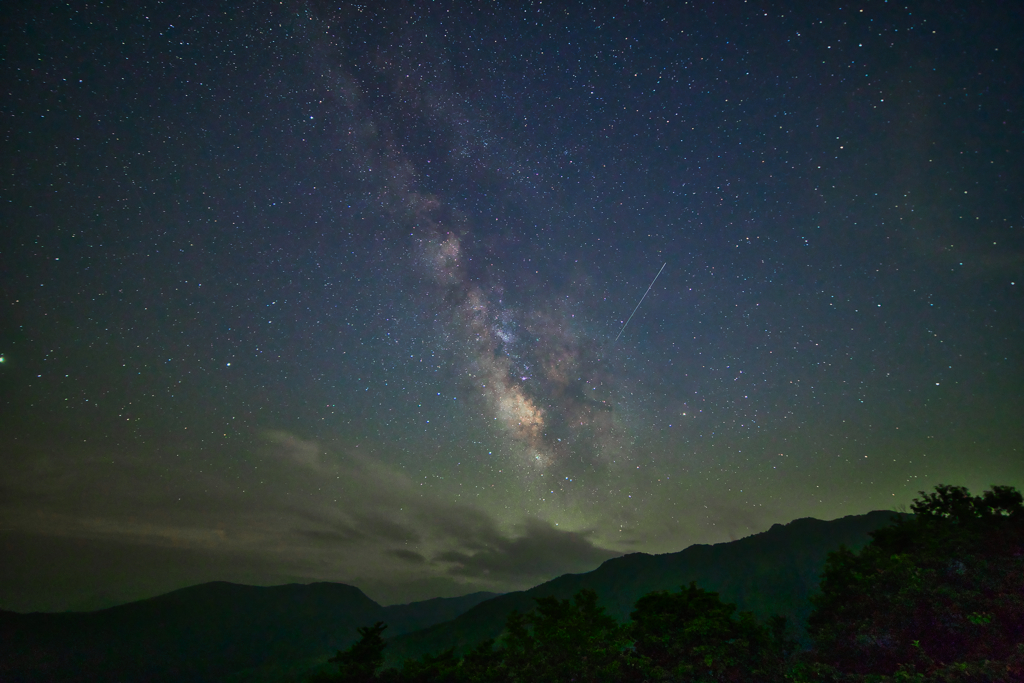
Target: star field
{"x": 308, "y": 292}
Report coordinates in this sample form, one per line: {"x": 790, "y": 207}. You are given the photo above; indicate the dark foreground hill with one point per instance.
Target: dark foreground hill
{"x": 203, "y": 633}
{"x": 774, "y": 572}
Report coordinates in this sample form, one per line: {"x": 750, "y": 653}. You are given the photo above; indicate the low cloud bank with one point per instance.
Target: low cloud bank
{"x": 292, "y": 513}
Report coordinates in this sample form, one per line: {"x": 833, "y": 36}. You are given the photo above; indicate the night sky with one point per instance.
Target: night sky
{"x": 337, "y": 292}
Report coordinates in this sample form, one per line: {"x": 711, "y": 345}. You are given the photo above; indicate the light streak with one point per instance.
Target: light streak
{"x": 639, "y": 302}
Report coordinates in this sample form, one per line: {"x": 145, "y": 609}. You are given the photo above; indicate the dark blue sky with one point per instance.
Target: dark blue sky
{"x": 331, "y": 292}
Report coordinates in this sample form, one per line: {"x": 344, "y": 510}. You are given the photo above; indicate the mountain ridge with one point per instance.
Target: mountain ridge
{"x": 221, "y": 631}
{"x": 780, "y": 570}
{"x": 203, "y": 632}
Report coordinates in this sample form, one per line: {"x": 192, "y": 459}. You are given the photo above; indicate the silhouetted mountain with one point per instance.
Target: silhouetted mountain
{"x": 220, "y": 631}
{"x": 202, "y": 633}
{"x": 773, "y": 572}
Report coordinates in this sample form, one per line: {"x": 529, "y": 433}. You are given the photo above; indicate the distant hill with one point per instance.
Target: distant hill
{"x": 773, "y": 572}
{"x": 203, "y": 633}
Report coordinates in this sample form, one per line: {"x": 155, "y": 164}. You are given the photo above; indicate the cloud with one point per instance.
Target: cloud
{"x": 541, "y": 551}
{"x": 407, "y": 555}
{"x": 378, "y": 506}
{"x": 297, "y": 512}
{"x": 345, "y": 536}
{"x": 306, "y": 453}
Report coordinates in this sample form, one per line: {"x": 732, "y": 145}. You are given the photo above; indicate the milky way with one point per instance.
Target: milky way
{"x": 534, "y": 367}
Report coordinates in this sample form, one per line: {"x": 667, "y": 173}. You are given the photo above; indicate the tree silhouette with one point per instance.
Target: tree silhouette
{"x": 562, "y": 641}
{"x": 938, "y": 592}
{"x": 440, "y": 668}
{"x": 360, "y": 662}
{"x": 693, "y": 636}
{"x": 484, "y": 664}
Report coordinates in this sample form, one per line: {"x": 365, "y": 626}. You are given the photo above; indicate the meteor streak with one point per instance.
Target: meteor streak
{"x": 638, "y": 303}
